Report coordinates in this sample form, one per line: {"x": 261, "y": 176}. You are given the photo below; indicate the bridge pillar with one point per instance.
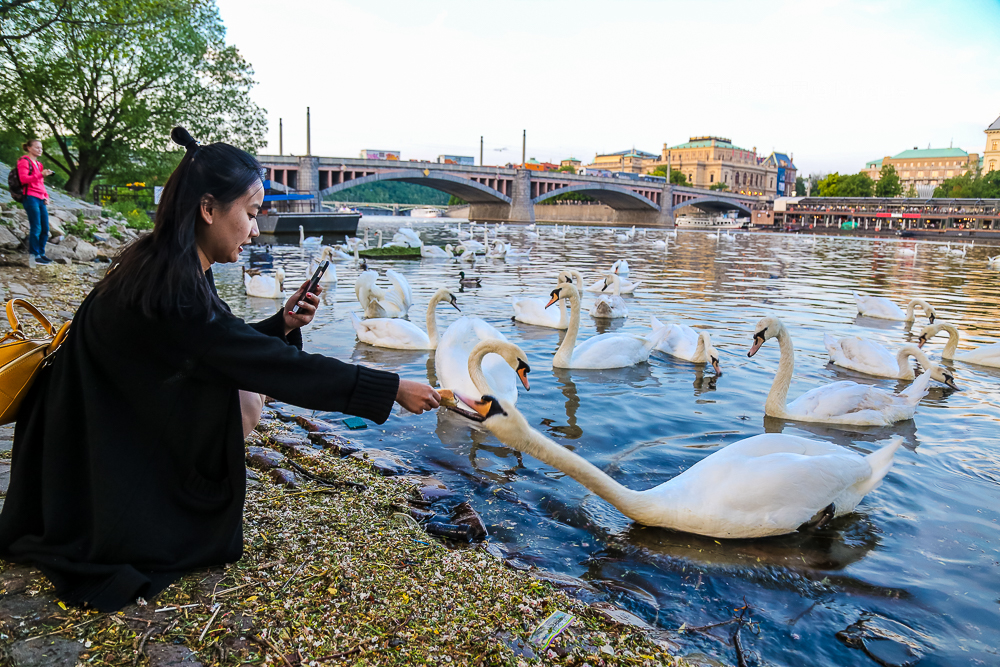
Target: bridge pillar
{"x": 666, "y": 217}
{"x": 520, "y": 209}
{"x": 308, "y": 180}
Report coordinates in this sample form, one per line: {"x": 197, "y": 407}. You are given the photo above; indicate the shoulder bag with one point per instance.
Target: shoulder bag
{"x": 21, "y": 357}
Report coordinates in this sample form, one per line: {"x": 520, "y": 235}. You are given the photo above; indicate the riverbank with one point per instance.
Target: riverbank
{"x": 332, "y": 572}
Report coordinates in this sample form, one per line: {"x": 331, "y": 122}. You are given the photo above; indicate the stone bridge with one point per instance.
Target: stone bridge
{"x": 499, "y": 193}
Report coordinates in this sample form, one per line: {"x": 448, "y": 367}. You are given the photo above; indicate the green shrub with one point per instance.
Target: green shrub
{"x": 115, "y": 233}
{"x": 80, "y": 228}
{"x": 133, "y": 216}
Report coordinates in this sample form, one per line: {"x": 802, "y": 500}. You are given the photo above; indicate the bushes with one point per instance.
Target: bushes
{"x": 134, "y": 217}
{"x": 80, "y": 228}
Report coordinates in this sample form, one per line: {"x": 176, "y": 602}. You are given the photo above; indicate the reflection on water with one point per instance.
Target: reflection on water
{"x": 920, "y": 556}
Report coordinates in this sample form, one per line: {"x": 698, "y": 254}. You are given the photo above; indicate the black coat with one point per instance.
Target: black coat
{"x": 128, "y": 459}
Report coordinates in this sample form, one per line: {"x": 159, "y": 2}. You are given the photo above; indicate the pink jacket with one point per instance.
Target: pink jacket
{"x": 33, "y": 185}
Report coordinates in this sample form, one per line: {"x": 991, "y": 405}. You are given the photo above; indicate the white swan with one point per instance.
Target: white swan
{"x": 994, "y": 262}
{"x": 405, "y": 237}
{"x": 957, "y": 252}
{"x": 534, "y": 311}
{"x": 436, "y": 252}
{"x": 379, "y": 302}
{"x": 619, "y": 268}
{"x": 987, "y": 355}
{"x": 841, "y": 402}
{"x": 401, "y": 334}
{"x": 865, "y": 356}
{"x": 264, "y": 286}
{"x": 610, "y": 306}
{"x": 609, "y": 350}
{"x": 312, "y": 241}
{"x": 462, "y": 234}
{"x": 329, "y": 276}
{"x": 683, "y": 342}
{"x": 883, "y": 308}
{"x": 768, "y": 484}
{"x": 452, "y": 360}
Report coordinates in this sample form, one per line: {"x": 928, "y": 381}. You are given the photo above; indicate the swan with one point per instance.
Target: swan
{"x": 987, "y": 355}
{"x": 619, "y": 268}
{"x": 841, "y": 402}
{"x": 436, "y": 252}
{"x": 883, "y": 308}
{"x": 609, "y": 350}
{"x": 660, "y": 244}
{"x": 379, "y": 302}
{"x": 994, "y": 262}
{"x": 630, "y": 233}
{"x": 514, "y": 252}
{"x": 338, "y": 253}
{"x": 407, "y": 238}
{"x": 622, "y": 238}
{"x": 462, "y": 234}
{"x": 260, "y": 285}
{"x": 764, "y": 485}
{"x": 610, "y": 306}
{"x": 957, "y": 252}
{"x": 403, "y": 335}
{"x": 908, "y": 252}
{"x": 310, "y": 241}
{"x": 685, "y": 343}
{"x": 454, "y": 367}
{"x": 330, "y": 275}
{"x": 865, "y": 356}
{"x": 533, "y": 311}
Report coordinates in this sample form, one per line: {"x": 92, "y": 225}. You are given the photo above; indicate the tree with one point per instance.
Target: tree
{"x": 971, "y": 185}
{"x": 912, "y": 192}
{"x": 108, "y": 85}
{"x": 676, "y": 177}
{"x": 718, "y": 186}
{"x": 889, "y": 184}
{"x": 856, "y": 185}
{"x": 20, "y": 19}
{"x": 570, "y": 169}
{"x": 827, "y": 187}
{"x": 800, "y": 186}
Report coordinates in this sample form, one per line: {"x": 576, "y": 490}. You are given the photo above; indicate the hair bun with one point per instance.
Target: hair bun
{"x": 183, "y": 138}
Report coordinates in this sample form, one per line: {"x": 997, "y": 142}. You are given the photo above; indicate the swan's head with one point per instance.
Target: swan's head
{"x": 501, "y": 418}
{"x": 444, "y": 294}
{"x": 943, "y": 376}
{"x": 564, "y": 291}
{"x": 929, "y": 332}
{"x": 768, "y": 327}
{"x": 713, "y": 355}
{"x": 279, "y": 275}
{"x": 512, "y": 354}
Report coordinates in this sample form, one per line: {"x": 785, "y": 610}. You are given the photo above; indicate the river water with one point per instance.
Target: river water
{"x": 913, "y": 574}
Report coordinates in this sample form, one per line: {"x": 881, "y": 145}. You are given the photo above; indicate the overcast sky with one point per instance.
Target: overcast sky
{"x": 836, "y": 82}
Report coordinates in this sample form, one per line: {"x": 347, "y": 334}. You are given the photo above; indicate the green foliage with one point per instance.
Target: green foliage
{"x": 80, "y": 229}
{"x": 827, "y": 187}
{"x": 108, "y": 84}
{"x": 971, "y": 185}
{"x": 676, "y": 177}
{"x": 856, "y": 185}
{"x": 391, "y": 192}
{"x": 568, "y": 196}
{"x": 800, "y": 186}
{"x": 115, "y": 233}
{"x": 456, "y": 201}
{"x": 912, "y": 191}
{"x": 889, "y": 183}
{"x": 569, "y": 169}
{"x": 390, "y": 252}
{"x": 134, "y": 217}
{"x": 718, "y": 186}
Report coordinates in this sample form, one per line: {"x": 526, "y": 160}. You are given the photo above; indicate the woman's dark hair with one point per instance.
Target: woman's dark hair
{"x": 161, "y": 273}
{"x": 27, "y": 144}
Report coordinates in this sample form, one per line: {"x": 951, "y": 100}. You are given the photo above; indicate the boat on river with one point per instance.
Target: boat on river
{"x": 314, "y": 224}
{"x": 425, "y": 212}
{"x": 711, "y": 222}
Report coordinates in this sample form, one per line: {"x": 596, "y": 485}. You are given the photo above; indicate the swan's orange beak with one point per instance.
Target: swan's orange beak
{"x": 758, "y": 340}
{"x": 922, "y": 340}
{"x": 522, "y": 372}
{"x": 715, "y": 365}
{"x": 555, "y": 297}
{"x": 481, "y": 407}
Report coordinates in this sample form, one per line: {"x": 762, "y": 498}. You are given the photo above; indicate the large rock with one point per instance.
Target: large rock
{"x": 58, "y": 253}
{"x": 46, "y": 652}
{"x": 7, "y": 239}
{"x": 171, "y": 655}
{"x": 85, "y": 252}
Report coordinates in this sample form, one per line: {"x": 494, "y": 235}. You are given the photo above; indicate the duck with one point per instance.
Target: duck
{"x": 866, "y": 356}
{"x": 436, "y": 252}
{"x": 471, "y": 281}
{"x": 264, "y": 286}
{"x": 610, "y": 306}
{"x": 987, "y": 355}
{"x": 882, "y": 308}
{"x": 379, "y": 302}
{"x": 329, "y": 276}
{"x": 843, "y": 402}
{"x": 609, "y": 350}
{"x": 312, "y": 241}
{"x": 533, "y": 311}
{"x": 685, "y": 343}
{"x": 399, "y": 334}
{"x": 493, "y": 367}
{"x": 765, "y": 485}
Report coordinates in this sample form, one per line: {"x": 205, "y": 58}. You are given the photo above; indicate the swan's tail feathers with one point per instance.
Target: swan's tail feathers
{"x": 356, "y": 321}
{"x": 918, "y": 389}
{"x": 655, "y": 323}
{"x": 880, "y": 461}
{"x": 830, "y": 343}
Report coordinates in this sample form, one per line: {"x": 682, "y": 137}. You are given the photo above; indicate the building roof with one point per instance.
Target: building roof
{"x": 872, "y": 163}
{"x": 994, "y": 126}
{"x": 630, "y": 151}
{"x": 918, "y": 153}
{"x": 776, "y": 159}
{"x": 705, "y": 142}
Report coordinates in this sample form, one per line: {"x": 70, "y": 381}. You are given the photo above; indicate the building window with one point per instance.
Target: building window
{"x": 711, "y": 178}
{"x": 995, "y": 145}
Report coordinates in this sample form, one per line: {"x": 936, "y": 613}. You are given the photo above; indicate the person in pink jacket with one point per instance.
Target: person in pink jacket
{"x": 36, "y": 198}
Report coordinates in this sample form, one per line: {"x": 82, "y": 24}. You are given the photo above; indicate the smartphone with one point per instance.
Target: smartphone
{"x": 313, "y": 281}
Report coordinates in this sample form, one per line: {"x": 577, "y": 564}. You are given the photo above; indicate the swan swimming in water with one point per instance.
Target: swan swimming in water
{"x": 312, "y": 241}
{"x": 683, "y": 342}
{"x": 264, "y": 286}
{"x": 987, "y": 355}
{"x": 399, "y": 334}
{"x": 329, "y": 276}
{"x": 610, "y": 306}
{"x": 533, "y": 311}
{"x": 841, "y": 402}
{"x": 768, "y": 484}
{"x": 379, "y": 302}
{"x": 865, "y": 356}
{"x": 498, "y": 371}
{"x": 882, "y": 308}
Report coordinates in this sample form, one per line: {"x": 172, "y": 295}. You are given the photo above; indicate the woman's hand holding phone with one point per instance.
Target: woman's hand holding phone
{"x": 307, "y": 303}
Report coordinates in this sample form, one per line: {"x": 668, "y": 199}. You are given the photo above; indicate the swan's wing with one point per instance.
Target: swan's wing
{"x": 611, "y": 351}
{"x": 400, "y": 294}
{"x": 864, "y": 355}
{"x": 501, "y": 377}
{"x": 987, "y": 355}
{"x": 484, "y": 330}
{"x": 839, "y": 399}
{"x": 391, "y": 332}
{"x": 533, "y": 311}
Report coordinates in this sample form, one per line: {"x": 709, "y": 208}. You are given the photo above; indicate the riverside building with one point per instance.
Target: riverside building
{"x": 991, "y": 156}
{"x": 925, "y": 168}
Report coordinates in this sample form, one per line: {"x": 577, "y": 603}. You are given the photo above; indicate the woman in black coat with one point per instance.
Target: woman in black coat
{"x": 128, "y": 457}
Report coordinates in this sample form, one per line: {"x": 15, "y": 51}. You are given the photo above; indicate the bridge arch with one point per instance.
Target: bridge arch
{"x": 614, "y": 196}
{"x": 464, "y": 188}
{"x": 714, "y": 204}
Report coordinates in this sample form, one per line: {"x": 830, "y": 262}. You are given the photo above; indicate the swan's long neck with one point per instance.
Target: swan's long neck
{"x": 777, "y": 398}
{"x": 701, "y": 350}
{"x": 902, "y": 359}
{"x": 531, "y": 442}
{"x": 564, "y": 355}
{"x": 952, "y": 346}
{"x": 432, "y": 325}
{"x": 492, "y": 346}
{"x": 912, "y": 306}
{"x": 379, "y": 234}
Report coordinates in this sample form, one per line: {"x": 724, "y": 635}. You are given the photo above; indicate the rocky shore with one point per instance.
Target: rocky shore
{"x": 349, "y": 559}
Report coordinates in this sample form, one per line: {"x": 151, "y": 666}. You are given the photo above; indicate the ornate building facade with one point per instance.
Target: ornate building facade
{"x": 925, "y": 168}
{"x": 991, "y": 156}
